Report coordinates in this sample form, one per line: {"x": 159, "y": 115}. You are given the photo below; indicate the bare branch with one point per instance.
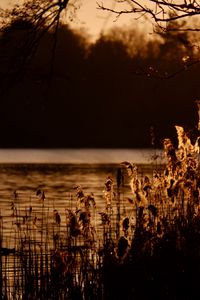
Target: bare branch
{"x": 161, "y": 11}
{"x": 42, "y": 16}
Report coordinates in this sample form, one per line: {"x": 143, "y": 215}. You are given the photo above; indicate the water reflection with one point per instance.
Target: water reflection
{"x": 29, "y": 225}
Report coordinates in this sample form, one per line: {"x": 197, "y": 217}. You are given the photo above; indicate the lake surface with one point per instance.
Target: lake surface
{"x": 57, "y": 173}
{"x": 78, "y": 156}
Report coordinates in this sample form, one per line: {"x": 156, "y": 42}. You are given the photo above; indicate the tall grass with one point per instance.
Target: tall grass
{"x": 148, "y": 244}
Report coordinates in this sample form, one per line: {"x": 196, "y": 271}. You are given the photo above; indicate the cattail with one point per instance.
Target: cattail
{"x": 108, "y": 192}
{"x": 169, "y": 152}
{"x": 57, "y": 217}
{"x": 147, "y": 186}
{"x": 73, "y": 223}
{"x": 108, "y": 184}
{"x": 131, "y": 168}
{"x": 80, "y": 197}
{"x": 105, "y": 218}
{"x": 80, "y": 194}
{"x": 88, "y": 199}
{"x": 40, "y": 194}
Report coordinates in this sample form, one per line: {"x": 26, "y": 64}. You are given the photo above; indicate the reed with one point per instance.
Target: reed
{"x": 143, "y": 245}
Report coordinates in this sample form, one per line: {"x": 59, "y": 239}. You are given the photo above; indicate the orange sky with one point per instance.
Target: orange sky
{"x": 91, "y": 18}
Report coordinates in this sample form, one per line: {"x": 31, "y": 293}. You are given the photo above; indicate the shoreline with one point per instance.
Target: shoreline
{"x": 79, "y": 156}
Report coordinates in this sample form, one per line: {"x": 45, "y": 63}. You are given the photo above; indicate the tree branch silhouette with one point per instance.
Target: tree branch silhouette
{"x": 161, "y": 12}
{"x": 35, "y": 18}
{"x": 167, "y": 16}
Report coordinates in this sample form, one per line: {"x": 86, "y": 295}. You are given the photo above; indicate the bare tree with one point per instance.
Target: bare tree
{"x": 39, "y": 12}
{"x": 160, "y": 11}
{"x": 167, "y": 17}
{"x": 33, "y": 19}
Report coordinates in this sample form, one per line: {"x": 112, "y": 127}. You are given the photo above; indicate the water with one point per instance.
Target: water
{"x": 20, "y": 182}
{"x": 28, "y": 220}
{"x": 57, "y": 172}
{"x": 78, "y": 156}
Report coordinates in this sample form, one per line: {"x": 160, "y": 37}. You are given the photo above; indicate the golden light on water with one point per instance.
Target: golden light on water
{"x": 54, "y": 232}
{"x": 77, "y": 156}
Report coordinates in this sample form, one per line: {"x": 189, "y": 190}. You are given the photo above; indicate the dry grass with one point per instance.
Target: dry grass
{"x": 151, "y": 250}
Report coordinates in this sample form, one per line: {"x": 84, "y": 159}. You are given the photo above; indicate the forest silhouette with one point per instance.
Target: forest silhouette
{"x": 109, "y": 93}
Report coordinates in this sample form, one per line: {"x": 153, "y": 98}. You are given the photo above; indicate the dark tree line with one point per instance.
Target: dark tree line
{"x": 93, "y": 95}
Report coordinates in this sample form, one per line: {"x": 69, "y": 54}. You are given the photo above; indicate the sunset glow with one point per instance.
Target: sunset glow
{"x": 89, "y": 17}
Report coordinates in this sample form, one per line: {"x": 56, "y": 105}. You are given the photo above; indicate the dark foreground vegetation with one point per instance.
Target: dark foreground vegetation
{"x": 163, "y": 261}
{"x": 152, "y": 252}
